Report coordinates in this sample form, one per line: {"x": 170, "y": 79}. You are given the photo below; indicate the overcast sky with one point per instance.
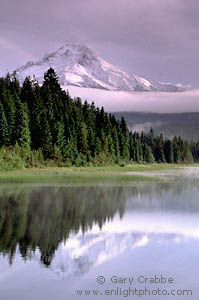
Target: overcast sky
{"x": 156, "y": 39}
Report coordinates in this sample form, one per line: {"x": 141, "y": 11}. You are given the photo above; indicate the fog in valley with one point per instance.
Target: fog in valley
{"x": 159, "y": 102}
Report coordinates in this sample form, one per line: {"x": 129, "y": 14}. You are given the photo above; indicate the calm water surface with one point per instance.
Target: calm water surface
{"x": 56, "y": 241}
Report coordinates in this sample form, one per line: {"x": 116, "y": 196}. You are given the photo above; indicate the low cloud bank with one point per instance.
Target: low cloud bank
{"x": 159, "y": 102}
{"x": 146, "y": 126}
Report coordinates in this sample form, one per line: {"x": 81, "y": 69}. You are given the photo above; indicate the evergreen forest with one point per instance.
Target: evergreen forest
{"x": 44, "y": 125}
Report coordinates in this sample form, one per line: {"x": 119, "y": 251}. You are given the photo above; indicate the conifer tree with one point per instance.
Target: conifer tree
{"x": 3, "y": 127}
{"x": 187, "y": 155}
{"x": 168, "y": 151}
{"x": 147, "y": 154}
{"x": 115, "y": 142}
{"x": 71, "y": 152}
{"x": 83, "y": 143}
{"x": 61, "y": 140}
{"x": 22, "y": 125}
{"x": 98, "y": 146}
{"x": 124, "y": 140}
{"x": 46, "y": 138}
{"x": 176, "y": 151}
{"x": 7, "y": 101}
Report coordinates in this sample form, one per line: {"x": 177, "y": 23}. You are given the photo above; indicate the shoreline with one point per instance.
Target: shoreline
{"x": 107, "y": 174}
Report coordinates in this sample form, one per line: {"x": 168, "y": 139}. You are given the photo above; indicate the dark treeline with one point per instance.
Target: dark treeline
{"x": 43, "y": 123}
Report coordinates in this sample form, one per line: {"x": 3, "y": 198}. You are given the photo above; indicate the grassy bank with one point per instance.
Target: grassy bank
{"x": 85, "y": 174}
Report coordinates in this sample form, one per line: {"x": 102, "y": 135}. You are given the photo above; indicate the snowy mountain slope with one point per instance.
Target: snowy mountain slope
{"x": 79, "y": 66}
{"x": 81, "y": 252}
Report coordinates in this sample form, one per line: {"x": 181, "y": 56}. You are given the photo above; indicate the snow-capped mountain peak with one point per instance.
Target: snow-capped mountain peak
{"x": 78, "y": 65}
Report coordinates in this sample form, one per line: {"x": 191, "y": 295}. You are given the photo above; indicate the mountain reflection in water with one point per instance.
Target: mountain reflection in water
{"x": 70, "y": 229}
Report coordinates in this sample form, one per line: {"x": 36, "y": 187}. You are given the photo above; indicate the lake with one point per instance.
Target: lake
{"x": 138, "y": 241}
